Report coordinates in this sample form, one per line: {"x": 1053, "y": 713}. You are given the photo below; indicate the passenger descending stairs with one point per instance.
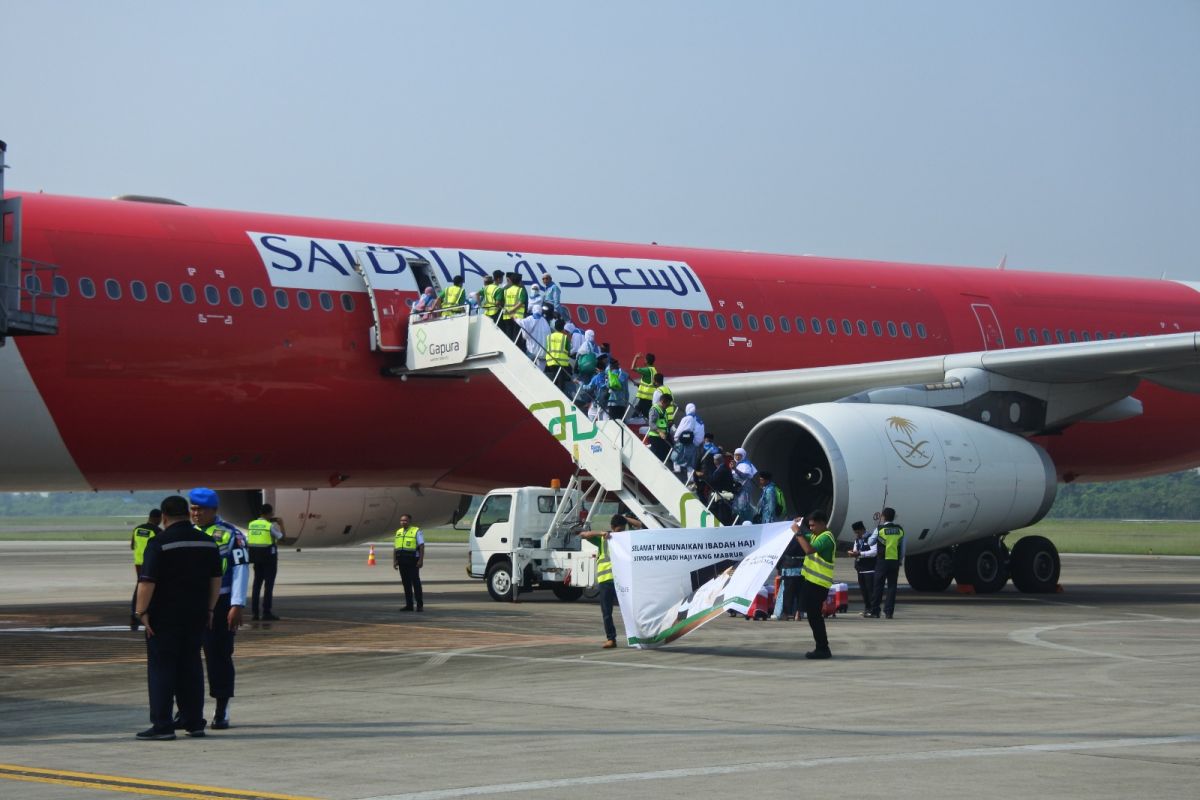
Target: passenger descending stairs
{"x": 607, "y": 450}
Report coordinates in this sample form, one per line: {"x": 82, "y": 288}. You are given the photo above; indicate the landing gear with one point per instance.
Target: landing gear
{"x": 982, "y": 564}
{"x": 499, "y": 580}
{"x": 930, "y": 572}
{"x": 1035, "y": 565}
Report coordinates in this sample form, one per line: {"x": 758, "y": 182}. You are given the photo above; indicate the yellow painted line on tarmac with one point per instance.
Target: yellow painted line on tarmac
{"x": 115, "y": 783}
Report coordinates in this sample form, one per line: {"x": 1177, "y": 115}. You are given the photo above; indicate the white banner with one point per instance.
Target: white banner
{"x": 671, "y": 581}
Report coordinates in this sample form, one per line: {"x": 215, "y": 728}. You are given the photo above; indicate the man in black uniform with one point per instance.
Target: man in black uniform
{"x": 177, "y": 590}
{"x": 889, "y": 555}
{"x": 141, "y": 535}
{"x": 864, "y": 564}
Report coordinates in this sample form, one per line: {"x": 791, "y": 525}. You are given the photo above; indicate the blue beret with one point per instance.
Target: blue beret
{"x": 203, "y": 498}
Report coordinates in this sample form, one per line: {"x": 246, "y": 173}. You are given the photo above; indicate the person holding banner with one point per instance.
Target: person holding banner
{"x": 817, "y": 571}
{"x": 604, "y": 577}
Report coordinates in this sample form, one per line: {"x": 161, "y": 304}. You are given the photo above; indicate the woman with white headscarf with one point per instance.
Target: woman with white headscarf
{"x": 744, "y": 504}
{"x": 688, "y": 436}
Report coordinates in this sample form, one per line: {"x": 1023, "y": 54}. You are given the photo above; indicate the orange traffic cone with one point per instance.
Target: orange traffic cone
{"x": 371, "y": 557}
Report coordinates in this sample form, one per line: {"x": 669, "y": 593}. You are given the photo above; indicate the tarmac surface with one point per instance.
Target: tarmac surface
{"x": 1089, "y": 692}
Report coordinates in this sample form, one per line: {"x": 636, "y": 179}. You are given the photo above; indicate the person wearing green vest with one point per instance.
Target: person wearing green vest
{"x": 604, "y": 576}
{"x": 658, "y": 438}
{"x": 558, "y": 356}
{"x": 261, "y": 536}
{"x": 138, "y": 540}
{"x": 819, "y": 547}
{"x": 888, "y": 558}
{"x": 645, "y": 377}
{"x": 491, "y": 297}
{"x": 453, "y": 298}
{"x": 513, "y": 309}
{"x": 408, "y": 558}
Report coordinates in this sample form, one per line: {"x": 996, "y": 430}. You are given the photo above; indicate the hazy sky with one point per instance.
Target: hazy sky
{"x": 1065, "y": 134}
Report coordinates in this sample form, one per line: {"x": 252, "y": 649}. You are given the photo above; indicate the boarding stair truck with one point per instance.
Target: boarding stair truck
{"x": 611, "y": 464}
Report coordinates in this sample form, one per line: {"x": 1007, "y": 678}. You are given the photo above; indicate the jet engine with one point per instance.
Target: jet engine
{"x": 950, "y": 479}
{"x": 329, "y": 517}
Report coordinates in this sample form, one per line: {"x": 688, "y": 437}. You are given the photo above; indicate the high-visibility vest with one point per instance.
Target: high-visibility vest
{"x": 671, "y": 407}
{"x": 513, "y": 307}
{"x": 558, "y": 349}
{"x": 891, "y": 534}
{"x": 452, "y": 299}
{"x": 491, "y": 299}
{"x": 258, "y": 533}
{"x": 603, "y": 564}
{"x": 662, "y": 421}
{"x": 222, "y": 537}
{"x": 141, "y": 537}
{"x": 406, "y": 539}
{"x": 816, "y": 569}
{"x": 646, "y": 384}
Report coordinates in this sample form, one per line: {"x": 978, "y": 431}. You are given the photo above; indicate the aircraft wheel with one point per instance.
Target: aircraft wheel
{"x": 982, "y": 564}
{"x": 499, "y": 580}
{"x": 568, "y": 594}
{"x": 1035, "y": 565}
{"x": 930, "y": 572}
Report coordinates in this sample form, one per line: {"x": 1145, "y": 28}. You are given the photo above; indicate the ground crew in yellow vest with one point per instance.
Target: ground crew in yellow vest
{"x": 661, "y": 388}
{"x": 604, "y": 576}
{"x": 491, "y": 298}
{"x": 262, "y": 535}
{"x": 453, "y": 299}
{"x": 558, "y": 356}
{"x": 408, "y": 557}
{"x": 141, "y": 535}
{"x": 819, "y": 548}
{"x": 645, "y": 389}
{"x": 513, "y": 310}
{"x": 888, "y": 558}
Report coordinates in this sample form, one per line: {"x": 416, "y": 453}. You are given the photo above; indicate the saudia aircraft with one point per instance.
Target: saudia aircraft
{"x": 186, "y": 346}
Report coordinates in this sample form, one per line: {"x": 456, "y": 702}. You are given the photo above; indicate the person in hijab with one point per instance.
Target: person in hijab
{"x": 743, "y": 474}
{"x": 688, "y": 435}
{"x": 535, "y": 329}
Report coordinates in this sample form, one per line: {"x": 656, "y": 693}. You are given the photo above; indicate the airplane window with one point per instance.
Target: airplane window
{"x": 258, "y": 297}
{"x": 33, "y": 284}
{"x": 652, "y": 318}
{"x": 921, "y": 329}
{"x": 303, "y": 300}
{"x": 1020, "y": 334}
{"x": 1033, "y": 337}
{"x": 1087, "y": 336}
{"x": 186, "y": 293}
{"x": 347, "y": 301}
{"x": 163, "y": 292}
{"x": 281, "y": 298}
{"x": 635, "y": 316}
{"x": 906, "y": 329}
{"x": 752, "y": 322}
{"x": 785, "y": 325}
{"x": 87, "y": 288}
{"x": 112, "y": 289}
{"x": 326, "y": 301}
{"x": 816, "y": 325}
{"x": 601, "y": 316}
{"x": 862, "y": 328}
{"x": 212, "y": 295}
{"x": 1074, "y": 336}
{"x": 138, "y": 290}
{"x": 1058, "y": 334}
{"x": 1099, "y": 336}
{"x": 800, "y": 325}
{"x": 847, "y": 328}
{"x": 703, "y": 320}
{"x": 686, "y": 318}
{"x": 735, "y": 321}
{"x": 876, "y": 328}
{"x": 235, "y": 296}
{"x": 583, "y": 314}
{"x": 769, "y": 323}
{"x": 669, "y": 316}
{"x": 720, "y": 320}
{"x": 61, "y": 287}
{"x": 831, "y": 326}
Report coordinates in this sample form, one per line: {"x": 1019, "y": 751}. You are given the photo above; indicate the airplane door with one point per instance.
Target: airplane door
{"x": 989, "y": 326}
{"x": 390, "y": 308}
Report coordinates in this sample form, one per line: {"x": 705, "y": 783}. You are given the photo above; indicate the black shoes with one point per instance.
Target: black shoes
{"x": 889, "y": 616}
{"x": 820, "y": 652}
{"x": 407, "y": 608}
{"x": 220, "y": 723}
{"x": 420, "y": 609}
{"x": 269, "y": 617}
{"x": 255, "y": 617}
{"x": 155, "y": 735}
{"x": 196, "y": 734}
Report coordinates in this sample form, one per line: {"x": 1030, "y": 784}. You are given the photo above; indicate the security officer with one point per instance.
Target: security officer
{"x": 490, "y": 298}
{"x": 453, "y": 298}
{"x": 408, "y": 557}
{"x": 178, "y": 588}
{"x": 864, "y": 550}
{"x": 558, "y": 356}
{"x": 604, "y": 577}
{"x": 659, "y": 436}
{"x": 138, "y": 540}
{"x": 887, "y": 562}
{"x": 819, "y": 547}
{"x": 645, "y": 389}
{"x": 261, "y": 536}
{"x": 227, "y": 617}
{"x": 513, "y": 310}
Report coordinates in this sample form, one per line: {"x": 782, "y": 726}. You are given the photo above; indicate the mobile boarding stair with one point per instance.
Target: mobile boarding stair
{"x": 606, "y": 451}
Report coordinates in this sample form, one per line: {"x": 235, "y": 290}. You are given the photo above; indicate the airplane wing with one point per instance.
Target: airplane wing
{"x": 1055, "y": 385}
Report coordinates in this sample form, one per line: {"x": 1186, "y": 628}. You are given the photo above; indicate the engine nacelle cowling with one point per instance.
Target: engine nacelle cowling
{"x": 329, "y": 517}
{"x": 950, "y": 479}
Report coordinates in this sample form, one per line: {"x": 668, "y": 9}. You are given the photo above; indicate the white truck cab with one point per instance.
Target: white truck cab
{"x": 532, "y": 532}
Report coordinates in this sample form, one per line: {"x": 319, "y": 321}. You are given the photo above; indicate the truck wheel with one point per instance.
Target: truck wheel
{"x": 499, "y": 580}
{"x": 568, "y": 594}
